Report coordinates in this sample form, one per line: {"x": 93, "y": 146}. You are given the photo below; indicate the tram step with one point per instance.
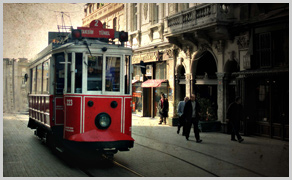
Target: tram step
{"x": 60, "y": 149}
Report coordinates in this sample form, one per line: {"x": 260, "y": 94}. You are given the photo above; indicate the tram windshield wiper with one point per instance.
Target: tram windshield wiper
{"x": 85, "y": 42}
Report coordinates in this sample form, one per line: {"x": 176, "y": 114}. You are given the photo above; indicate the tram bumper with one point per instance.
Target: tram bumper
{"x": 98, "y": 139}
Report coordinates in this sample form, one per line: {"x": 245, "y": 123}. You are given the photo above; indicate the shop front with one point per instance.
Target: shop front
{"x": 137, "y": 97}
{"x": 153, "y": 88}
{"x": 266, "y": 102}
{"x": 148, "y": 87}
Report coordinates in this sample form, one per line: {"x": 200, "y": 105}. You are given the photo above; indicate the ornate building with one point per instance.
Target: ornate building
{"x": 111, "y": 14}
{"x": 146, "y": 26}
{"x": 216, "y": 51}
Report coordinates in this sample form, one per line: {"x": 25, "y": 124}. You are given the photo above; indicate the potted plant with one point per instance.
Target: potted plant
{"x": 208, "y": 120}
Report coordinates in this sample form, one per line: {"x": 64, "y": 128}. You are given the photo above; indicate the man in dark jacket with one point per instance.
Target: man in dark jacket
{"x": 234, "y": 114}
{"x": 191, "y": 112}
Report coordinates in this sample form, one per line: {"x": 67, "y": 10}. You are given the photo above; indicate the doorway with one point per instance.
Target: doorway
{"x": 204, "y": 86}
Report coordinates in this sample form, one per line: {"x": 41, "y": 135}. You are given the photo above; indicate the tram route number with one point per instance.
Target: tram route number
{"x": 69, "y": 102}
{"x": 69, "y": 129}
{"x": 96, "y": 30}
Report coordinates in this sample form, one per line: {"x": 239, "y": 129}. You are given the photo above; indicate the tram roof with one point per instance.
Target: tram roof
{"x": 58, "y": 46}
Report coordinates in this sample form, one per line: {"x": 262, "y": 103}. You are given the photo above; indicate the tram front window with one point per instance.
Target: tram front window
{"x": 94, "y": 74}
{"x": 113, "y": 73}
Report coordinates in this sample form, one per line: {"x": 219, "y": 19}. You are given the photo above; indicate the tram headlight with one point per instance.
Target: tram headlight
{"x": 102, "y": 121}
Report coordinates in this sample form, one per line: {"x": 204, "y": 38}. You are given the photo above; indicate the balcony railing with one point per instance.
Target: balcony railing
{"x": 198, "y": 16}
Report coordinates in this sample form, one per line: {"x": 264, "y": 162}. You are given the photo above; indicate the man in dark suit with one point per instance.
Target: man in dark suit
{"x": 234, "y": 115}
{"x": 180, "y": 111}
{"x": 191, "y": 112}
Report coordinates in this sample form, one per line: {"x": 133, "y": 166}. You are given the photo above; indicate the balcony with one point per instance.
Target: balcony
{"x": 204, "y": 17}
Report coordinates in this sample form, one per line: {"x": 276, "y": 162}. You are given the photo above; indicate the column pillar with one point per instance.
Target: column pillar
{"x": 188, "y": 84}
{"x": 220, "y": 97}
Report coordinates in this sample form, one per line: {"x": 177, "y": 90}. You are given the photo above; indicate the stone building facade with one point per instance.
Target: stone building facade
{"x": 110, "y": 14}
{"x": 216, "y": 51}
{"x": 146, "y": 25}
{"x": 15, "y": 88}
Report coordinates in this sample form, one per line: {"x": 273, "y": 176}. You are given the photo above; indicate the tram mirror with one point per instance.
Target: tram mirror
{"x": 123, "y": 36}
{"x": 76, "y": 34}
{"x": 25, "y": 77}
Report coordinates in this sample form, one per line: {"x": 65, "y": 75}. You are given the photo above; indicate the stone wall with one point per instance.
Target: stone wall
{"x": 15, "y": 89}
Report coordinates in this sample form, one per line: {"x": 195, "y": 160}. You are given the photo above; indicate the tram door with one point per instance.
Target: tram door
{"x": 58, "y": 88}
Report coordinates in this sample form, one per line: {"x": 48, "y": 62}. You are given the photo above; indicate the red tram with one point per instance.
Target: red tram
{"x": 81, "y": 94}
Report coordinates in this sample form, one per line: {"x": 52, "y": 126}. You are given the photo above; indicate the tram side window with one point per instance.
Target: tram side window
{"x": 60, "y": 76}
{"x": 113, "y": 65}
{"x": 94, "y": 73}
{"x": 127, "y": 75}
{"x": 78, "y": 73}
{"x": 39, "y": 79}
{"x": 33, "y": 87}
{"x": 46, "y": 72}
{"x": 69, "y": 73}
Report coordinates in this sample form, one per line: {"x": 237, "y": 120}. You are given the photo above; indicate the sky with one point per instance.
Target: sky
{"x": 26, "y": 25}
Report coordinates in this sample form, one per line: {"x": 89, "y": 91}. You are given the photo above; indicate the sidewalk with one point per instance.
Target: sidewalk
{"x": 255, "y": 156}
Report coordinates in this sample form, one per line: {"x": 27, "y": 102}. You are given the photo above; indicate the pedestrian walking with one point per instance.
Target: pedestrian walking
{"x": 180, "y": 111}
{"x": 163, "y": 109}
{"x": 191, "y": 112}
{"x": 234, "y": 115}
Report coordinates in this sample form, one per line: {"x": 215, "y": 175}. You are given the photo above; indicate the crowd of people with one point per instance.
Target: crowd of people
{"x": 189, "y": 115}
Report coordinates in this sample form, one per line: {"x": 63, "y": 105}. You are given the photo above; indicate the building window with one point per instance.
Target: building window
{"x": 135, "y": 16}
{"x": 183, "y": 6}
{"x": 92, "y": 8}
{"x": 271, "y": 49}
{"x": 265, "y": 50}
{"x": 85, "y": 12}
{"x": 115, "y": 23}
{"x": 155, "y": 13}
{"x": 160, "y": 71}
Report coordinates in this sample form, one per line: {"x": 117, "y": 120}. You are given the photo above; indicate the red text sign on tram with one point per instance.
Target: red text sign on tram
{"x": 96, "y": 30}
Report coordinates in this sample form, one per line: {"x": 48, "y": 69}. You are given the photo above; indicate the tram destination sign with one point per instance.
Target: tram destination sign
{"x": 96, "y": 30}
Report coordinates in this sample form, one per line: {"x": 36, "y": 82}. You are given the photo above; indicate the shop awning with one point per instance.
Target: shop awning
{"x": 134, "y": 81}
{"x": 262, "y": 72}
{"x": 152, "y": 83}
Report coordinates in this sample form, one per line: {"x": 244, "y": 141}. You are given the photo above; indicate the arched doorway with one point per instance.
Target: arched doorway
{"x": 204, "y": 85}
